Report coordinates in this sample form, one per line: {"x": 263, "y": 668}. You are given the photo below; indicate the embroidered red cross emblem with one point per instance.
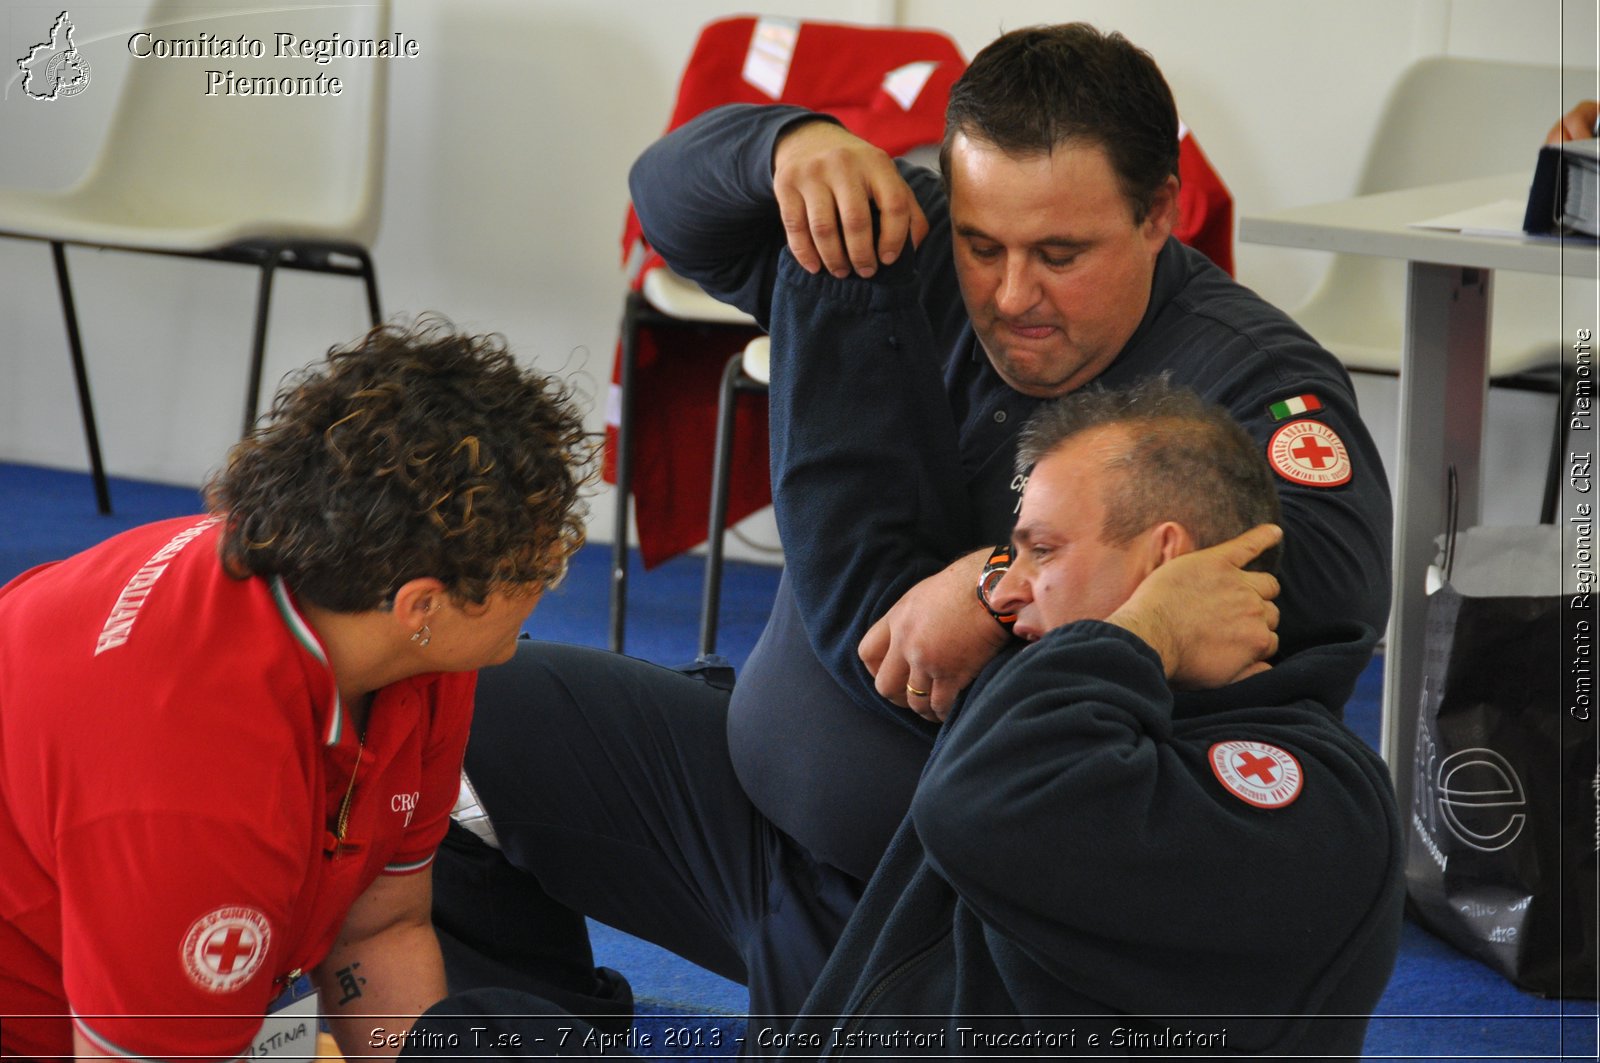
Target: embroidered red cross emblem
{"x": 1257, "y": 773}
{"x": 1309, "y": 453}
{"x": 227, "y": 950}
{"x": 1313, "y": 452}
{"x": 1262, "y": 768}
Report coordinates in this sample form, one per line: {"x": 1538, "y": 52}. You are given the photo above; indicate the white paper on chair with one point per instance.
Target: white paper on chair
{"x": 906, "y": 83}
{"x": 771, "y": 51}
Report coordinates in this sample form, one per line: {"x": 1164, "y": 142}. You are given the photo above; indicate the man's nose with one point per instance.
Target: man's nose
{"x": 1018, "y": 291}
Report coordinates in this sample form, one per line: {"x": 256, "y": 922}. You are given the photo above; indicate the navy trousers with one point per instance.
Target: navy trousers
{"x": 505, "y": 1024}
{"x": 611, "y": 790}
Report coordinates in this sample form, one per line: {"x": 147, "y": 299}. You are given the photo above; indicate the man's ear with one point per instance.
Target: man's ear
{"x": 1168, "y": 540}
{"x": 417, "y": 600}
{"x": 1162, "y": 217}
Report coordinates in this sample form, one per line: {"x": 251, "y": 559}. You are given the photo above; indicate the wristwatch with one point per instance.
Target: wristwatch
{"x": 993, "y": 569}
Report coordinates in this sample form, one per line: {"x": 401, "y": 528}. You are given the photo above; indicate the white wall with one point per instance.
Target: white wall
{"x": 509, "y": 141}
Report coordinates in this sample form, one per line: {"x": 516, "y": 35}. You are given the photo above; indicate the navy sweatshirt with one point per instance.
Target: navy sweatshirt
{"x": 1075, "y": 877}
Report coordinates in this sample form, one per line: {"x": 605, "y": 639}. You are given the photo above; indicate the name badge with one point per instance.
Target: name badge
{"x": 289, "y": 1031}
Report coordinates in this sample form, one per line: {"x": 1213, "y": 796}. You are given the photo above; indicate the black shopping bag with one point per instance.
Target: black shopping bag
{"x": 1501, "y": 853}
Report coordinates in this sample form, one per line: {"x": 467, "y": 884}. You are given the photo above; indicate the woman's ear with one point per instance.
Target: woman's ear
{"x": 416, "y": 601}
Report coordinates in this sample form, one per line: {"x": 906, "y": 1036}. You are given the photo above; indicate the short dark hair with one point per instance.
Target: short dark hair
{"x": 417, "y": 451}
{"x": 1184, "y": 460}
{"x": 1034, "y": 89}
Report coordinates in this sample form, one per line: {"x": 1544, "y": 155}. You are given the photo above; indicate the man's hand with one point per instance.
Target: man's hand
{"x": 1576, "y": 124}
{"x": 936, "y": 639}
{"x": 1212, "y": 622}
{"x": 826, "y": 180}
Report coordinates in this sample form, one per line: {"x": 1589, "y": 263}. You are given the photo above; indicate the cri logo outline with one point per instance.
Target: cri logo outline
{"x": 224, "y": 948}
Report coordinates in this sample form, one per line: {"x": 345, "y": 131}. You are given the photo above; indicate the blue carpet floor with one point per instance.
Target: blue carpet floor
{"x": 1440, "y": 1004}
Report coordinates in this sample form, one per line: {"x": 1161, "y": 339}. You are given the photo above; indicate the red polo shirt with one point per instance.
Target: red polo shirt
{"x": 173, "y": 757}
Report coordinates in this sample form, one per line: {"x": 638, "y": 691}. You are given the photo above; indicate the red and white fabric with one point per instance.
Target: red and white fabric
{"x": 887, "y": 85}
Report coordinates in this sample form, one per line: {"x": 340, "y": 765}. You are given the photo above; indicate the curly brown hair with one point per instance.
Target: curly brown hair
{"x": 417, "y": 451}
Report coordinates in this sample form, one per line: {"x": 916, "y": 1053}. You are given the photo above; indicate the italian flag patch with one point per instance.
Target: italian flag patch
{"x": 1282, "y": 411}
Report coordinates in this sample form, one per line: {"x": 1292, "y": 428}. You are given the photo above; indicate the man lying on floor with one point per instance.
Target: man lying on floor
{"x": 1091, "y": 839}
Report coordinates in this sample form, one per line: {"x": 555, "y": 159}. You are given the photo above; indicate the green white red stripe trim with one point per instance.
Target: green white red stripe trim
{"x": 308, "y": 639}
{"x": 1282, "y": 411}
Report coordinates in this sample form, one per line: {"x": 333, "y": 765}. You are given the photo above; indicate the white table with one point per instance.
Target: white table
{"x": 1443, "y": 375}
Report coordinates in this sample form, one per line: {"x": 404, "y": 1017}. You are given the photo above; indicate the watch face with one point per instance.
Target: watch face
{"x": 991, "y": 580}
{"x": 993, "y": 572}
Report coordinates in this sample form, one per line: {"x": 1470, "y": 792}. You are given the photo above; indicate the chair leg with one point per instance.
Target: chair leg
{"x": 721, "y": 471}
{"x": 619, "y": 527}
{"x": 258, "y": 349}
{"x": 80, "y": 375}
{"x": 370, "y": 276}
{"x": 1558, "y": 447}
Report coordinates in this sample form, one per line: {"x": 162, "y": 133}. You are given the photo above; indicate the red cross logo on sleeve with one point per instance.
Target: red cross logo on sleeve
{"x": 225, "y": 947}
{"x": 1309, "y": 453}
{"x": 1258, "y": 774}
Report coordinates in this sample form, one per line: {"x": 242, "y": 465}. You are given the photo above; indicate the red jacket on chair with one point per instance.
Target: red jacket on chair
{"x": 1205, "y": 207}
{"x": 887, "y": 85}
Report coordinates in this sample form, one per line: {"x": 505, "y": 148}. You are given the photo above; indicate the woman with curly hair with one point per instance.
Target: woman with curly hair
{"x": 229, "y": 745}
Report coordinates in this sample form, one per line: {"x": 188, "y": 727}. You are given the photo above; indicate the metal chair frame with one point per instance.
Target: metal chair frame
{"x": 267, "y": 256}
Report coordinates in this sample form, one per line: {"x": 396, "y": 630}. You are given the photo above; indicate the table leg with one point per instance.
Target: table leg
{"x": 1443, "y": 387}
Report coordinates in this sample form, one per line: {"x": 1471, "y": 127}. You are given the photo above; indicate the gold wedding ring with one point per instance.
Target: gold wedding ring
{"x": 914, "y": 692}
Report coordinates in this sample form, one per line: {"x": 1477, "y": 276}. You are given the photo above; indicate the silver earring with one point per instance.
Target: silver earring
{"x": 422, "y": 636}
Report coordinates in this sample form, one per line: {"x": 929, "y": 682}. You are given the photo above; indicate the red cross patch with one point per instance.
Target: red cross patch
{"x": 1256, "y": 773}
{"x": 224, "y": 948}
{"x": 1309, "y": 453}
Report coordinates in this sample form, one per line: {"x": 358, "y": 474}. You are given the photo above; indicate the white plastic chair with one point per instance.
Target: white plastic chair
{"x": 275, "y": 181}
{"x": 1450, "y": 119}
